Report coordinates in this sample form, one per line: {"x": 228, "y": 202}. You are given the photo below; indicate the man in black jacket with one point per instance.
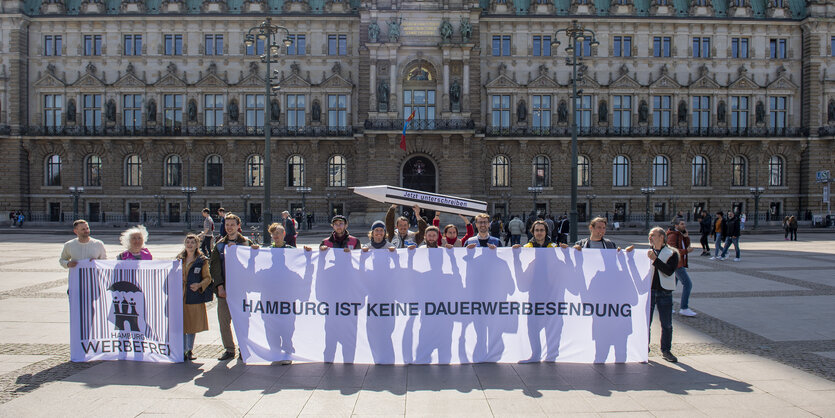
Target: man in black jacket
{"x": 733, "y": 227}
{"x": 704, "y": 229}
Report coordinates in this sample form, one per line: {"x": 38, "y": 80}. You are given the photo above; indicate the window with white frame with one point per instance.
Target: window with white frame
{"x": 52, "y": 170}
{"x": 53, "y": 108}
{"x": 701, "y": 47}
{"x": 213, "y": 110}
{"x": 542, "y": 45}
{"x": 213, "y": 44}
{"x": 92, "y": 171}
{"x": 583, "y": 111}
{"x": 775, "y": 171}
{"x": 132, "y": 45}
{"x": 172, "y": 111}
{"x": 255, "y": 171}
{"x": 777, "y": 114}
{"x": 541, "y": 112}
{"x": 739, "y": 47}
{"x": 739, "y": 167}
{"x": 295, "y": 171}
{"x": 662, "y": 110}
{"x": 583, "y": 171}
{"x": 622, "y": 46}
{"x": 541, "y": 171}
{"x": 337, "y": 110}
{"x": 133, "y": 171}
{"x": 622, "y": 112}
{"x": 701, "y": 112}
{"x": 295, "y": 110}
{"x": 661, "y": 46}
{"x": 52, "y": 45}
{"x": 660, "y": 171}
{"x": 254, "y": 108}
{"x": 500, "y": 108}
{"x": 620, "y": 171}
{"x": 336, "y": 171}
{"x": 500, "y": 171}
{"x": 699, "y": 171}
{"x": 739, "y": 112}
{"x": 777, "y": 48}
{"x": 132, "y": 110}
{"x": 92, "y": 110}
{"x": 421, "y": 101}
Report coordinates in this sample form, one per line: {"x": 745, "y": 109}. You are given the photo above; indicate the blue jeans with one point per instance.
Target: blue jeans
{"x": 728, "y": 242}
{"x": 686, "y": 283}
{"x": 188, "y": 342}
{"x": 515, "y": 239}
{"x": 663, "y": 299}
{"x": 718, "y": 245}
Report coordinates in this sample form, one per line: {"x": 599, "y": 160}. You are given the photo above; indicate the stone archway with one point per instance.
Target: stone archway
{"x": 419, "y": 173}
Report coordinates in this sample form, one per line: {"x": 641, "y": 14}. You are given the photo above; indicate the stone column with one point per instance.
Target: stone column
{"x": 466, "y": 87}
{"x": 445, "y": 93}
{"x": 373, "y": 85}
{"x": 393, "y": 105}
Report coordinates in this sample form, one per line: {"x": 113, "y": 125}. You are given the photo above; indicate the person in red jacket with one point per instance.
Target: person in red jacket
{"x": 451, "y": 231}
{"x": 340, "y": 238}
{"x": 678, "y": 238}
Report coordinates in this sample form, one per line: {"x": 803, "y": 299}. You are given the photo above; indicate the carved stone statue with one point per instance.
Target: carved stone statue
{"x": 466, "y": 29}
{"x": 382, "y": 96}
{"x": 603, "y": 112}
{"x": 721, "y": 112}
{"x": 192, "y": 110}
{"x": 760, "y": 112}
{"x": 521, "y": 111}
{"x": 316, "y": 113}
{"x": 831, "y": 111}
{"x": 682, "y": 112}
{"x": 110, "y": 111}
{"x": 455, "y": 96}
{"x": 233, "y": 110}
{"x": 373, "y": 32}
{"x": 562, "y": 112}
{"x": 275, "y": 110}
{"x": 71, "y": 110}
{"x": 643, "y": 112}
{"x": 446, "y": 31}
{"x": 152, "y": 111}
{"x": 394, "y": 30}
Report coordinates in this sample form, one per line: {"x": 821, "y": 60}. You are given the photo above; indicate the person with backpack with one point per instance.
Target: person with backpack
{"x": 496, "y": 227}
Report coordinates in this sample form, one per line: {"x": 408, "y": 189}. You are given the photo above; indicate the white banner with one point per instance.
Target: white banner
{"x": 439, "y": 306}
{"x": 126, "y": 310}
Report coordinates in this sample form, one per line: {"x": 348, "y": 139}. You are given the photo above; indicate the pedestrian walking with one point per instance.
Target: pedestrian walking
{"x": 196, "y": 292}
{"x": 221, "y": 215}
{"x": 208, "y": 233}
{"x": 679, "y": 239}
{"x": 515, "y": 228}
{"x": 289, "y": 228}
{"x": 134, "y": 240}
{"x": 792, "y": 228}
{"x": 734, "y": 227}
{"x": 664, "y": 261}
{"x": 719, "y": 231}
{"x": 705, "y": 224}
{"x": 786, "y": 228}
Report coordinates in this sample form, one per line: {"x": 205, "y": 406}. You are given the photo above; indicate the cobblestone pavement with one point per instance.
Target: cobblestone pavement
{"x": 764, "y": 330}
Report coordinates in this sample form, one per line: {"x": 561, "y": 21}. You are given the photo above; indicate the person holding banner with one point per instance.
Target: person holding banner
{"x": 82, "y": 247}
{"x": 451, "y": 231}
{"x": 664, "y": 263}
{"x": 134, "y": 241}
{"x": 196, "y": 279}
{"x": 540, "y": 239}
{"x": 483, "y": 238}
{"x": 232, "y": 225}
{"x": 597, "y": 229}
{"x": 277, "y": 232}
{"x": 401, "y": 237}
{"x": 432, "y": 238}
{"x": 377, "y": 237}
{"x": 340, "y": 238}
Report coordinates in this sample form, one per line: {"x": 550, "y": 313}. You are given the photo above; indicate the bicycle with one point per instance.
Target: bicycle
{"x": 255, "y": 234}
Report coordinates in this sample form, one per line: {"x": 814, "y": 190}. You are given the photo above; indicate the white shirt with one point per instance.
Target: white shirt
{"x": 76, "y": 251}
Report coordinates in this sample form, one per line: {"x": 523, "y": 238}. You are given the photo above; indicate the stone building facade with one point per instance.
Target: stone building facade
{"x": 134, "y": 101}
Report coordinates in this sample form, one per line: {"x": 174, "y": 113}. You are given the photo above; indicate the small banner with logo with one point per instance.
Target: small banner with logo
{"x": 126, "y": 310}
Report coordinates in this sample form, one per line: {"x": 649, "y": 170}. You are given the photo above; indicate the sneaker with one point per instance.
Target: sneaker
{"x": 736, "y": 259}
{"x": 724, "y": 257}
{"x": 226, "y": 356}
{"x": 687, "y": 312}
{"x": 666, "y": 355}
{"x": 713, "y": 258}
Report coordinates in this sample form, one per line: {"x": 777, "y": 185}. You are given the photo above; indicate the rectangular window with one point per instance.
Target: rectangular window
{"x": 298, "y": 46}
{"x": 257, "y": 49}
{"x": 172, "y": 107}
{"x": 739, "y": 47}
{"x": 739, "y": 112}
{"x": 213, "y": 44}
{"x": 295, "y": 110}
{"x": 622, "y": 46}
{"x": 583, "y": 48}
{"x": 132, "y": 45}
{"x": 500, "y": 111}
{"x": 661, "y": 46}
{"x": 542, "y": 112}
{"x": 701, "y": 112}
{"x": 622, "y": 111}
{"x": 583, "y": 114}
{"x": 132, "y": 110}
{"x": 778, "y": 112}
{"x": 662, "y": 110}
{"x": 777, "y": 48}
{"x": 213, "y": 110}
{"x": 542, "y": 46}
{"x": 53, "y": 107}
{"x": 337, "y": 110}
{"x": 92, "y": 110}
{"x": 701, "y": 47}
{"x": 52, "y": 45}
{"x": 337, "y": 44}
{"x": 254, "y": 111}
{"x": 501, "y": 45}
{"x": 422, "y": 102}
{"x": 173, "y": 44}
{"x": 92, "y": 45}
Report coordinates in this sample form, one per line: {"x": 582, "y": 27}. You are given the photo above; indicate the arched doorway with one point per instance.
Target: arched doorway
{"x": 419, "y": 173}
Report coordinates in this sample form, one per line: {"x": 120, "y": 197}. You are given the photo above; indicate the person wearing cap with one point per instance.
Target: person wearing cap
{"x": 377, "y": 237}
{"x": 340, "y": 238}
{"x": 400, "y": 236}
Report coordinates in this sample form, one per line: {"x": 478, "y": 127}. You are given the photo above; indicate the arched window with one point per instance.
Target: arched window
{"x": 583, "y": 171}
{"x": 699, "y": 171}
{"x": 336, "y": 171}
{"x": 214, "y": 171}
{"x": 255, "y": 171}
{"x": 660, "y": 171}
{"x": 173, "y": 171}
{"x": 133, "y": 170}
{"x": 738, "y": 171}
{"x": 92, "y": 171}
{"x": 775, "y": 170}
{"x": 500, "y": 171}
{"x": 53, "y": 170}
{"x": 620, "y": 171}
{"x": 541, "y": 171}
{"x": 295, "y": 171}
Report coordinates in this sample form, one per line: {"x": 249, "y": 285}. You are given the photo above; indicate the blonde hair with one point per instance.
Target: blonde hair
{"x": 482, "y": 215}
{"x": 275, "y": 226}
{"x": 197, "y": 251}
{"x": 596, "y": 220}
{"x": 138, "y": 229}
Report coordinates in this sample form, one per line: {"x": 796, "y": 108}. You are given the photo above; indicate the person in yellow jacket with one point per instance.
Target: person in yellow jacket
{"x": 539, "y": 230}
